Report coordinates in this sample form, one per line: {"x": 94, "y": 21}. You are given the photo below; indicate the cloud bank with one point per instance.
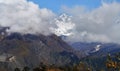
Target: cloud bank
{"x": 98, "y": 25}
{"x": 24, "y": 17}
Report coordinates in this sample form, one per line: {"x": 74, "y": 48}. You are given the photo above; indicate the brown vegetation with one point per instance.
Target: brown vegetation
{"x": 111, "y": 65}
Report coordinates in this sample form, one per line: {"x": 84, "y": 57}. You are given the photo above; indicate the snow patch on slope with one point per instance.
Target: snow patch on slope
{"x": 96, "y": 48}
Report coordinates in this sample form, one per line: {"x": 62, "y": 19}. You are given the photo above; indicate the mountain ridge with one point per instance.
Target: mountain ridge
{"x": 30, "y": 50}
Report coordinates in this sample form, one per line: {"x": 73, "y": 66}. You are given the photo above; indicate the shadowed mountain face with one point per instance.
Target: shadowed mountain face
{"x": 31, "y": 50}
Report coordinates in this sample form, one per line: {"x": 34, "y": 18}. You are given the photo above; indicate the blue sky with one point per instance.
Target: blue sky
{"x": 55, "y": 5}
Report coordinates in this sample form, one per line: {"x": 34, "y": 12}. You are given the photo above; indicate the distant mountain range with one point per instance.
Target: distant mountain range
{"x": 96, "y": 48}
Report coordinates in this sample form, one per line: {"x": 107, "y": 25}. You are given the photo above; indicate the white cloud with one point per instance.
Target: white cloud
{"x": 101, "y": 24}
{"x": 24, "y": 17}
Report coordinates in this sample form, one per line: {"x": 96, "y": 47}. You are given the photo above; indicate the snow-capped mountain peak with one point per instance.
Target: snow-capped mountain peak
{"x": 64, "y": 25}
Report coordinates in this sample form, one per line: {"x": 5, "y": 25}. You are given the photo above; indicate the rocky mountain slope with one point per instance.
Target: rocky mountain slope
{"x": 30, "y": 50}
